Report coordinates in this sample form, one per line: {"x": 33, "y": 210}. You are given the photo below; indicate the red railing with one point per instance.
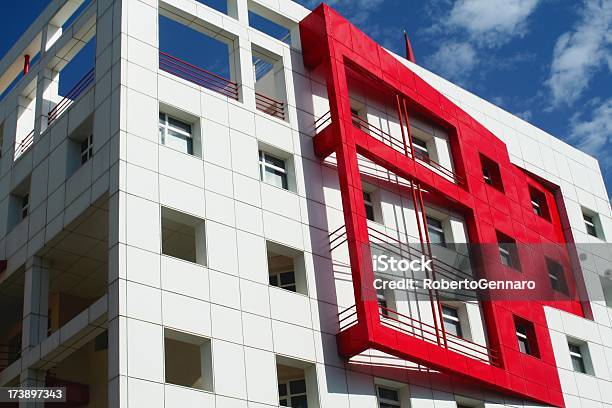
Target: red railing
{"x": 399, "y": 145}
{"x": 270, "y": 106}
{"x": 25, "y": 144}
{"x": 429, "y": 333}
{"x": 71, "y": 96}
{"x": 197, "y": 75}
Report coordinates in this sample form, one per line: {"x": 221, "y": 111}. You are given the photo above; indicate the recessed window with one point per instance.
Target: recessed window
{"x": 556, "y": 276}
{"x": 606, "y": 286}
{"x": 188, "y": 360}
{"x": 369, "y": 206}
{"x": 381, "y": 299}
{"x": 25, "y": 205}
{"x": 508, "y": 251}
{"x": 579, "y": 355}
{"x": 286, "y": 268}
{"x": 592, "y": 223}
{"x": 273, "y": 170}
{"x": 436, "y": 231}
{"x": 296, "y": 383}
{"x": 525, "y": 335}
{"x": 87, "y": 149}
{"x": 538, "y": 203}
{"x": 491, "y": 173}
{"x": 175, "y": 133}
{"x": 420, "y": 149}
{"x": 183, "y": 236}
{"x": 452, "y": 324}
{"x": 292, "y": 393}
{"x": 388, "y": 397}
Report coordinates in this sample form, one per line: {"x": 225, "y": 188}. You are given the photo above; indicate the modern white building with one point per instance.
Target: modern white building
{"x": 172, "y": 239}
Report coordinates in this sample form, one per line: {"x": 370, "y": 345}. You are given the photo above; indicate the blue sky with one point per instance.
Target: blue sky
{"x": 548, "y": 61}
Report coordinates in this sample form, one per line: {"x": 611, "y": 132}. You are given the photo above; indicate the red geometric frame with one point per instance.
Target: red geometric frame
{"x": 329, "y": 44}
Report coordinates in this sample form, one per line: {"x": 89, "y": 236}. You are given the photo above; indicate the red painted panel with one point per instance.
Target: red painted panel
{"x": 344, "y": 54}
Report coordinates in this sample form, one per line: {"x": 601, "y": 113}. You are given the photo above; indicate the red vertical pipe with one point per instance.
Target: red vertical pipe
{"x": 26, "y": 64}
{"x": 399, "y": 116}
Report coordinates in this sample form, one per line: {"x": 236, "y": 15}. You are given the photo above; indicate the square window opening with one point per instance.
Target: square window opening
{"x": 296, "y": 381}
{"x": 556, "y": 276}
{"x": 19, "y": 204}
{"x": 539, "y": 205}
{"x": 526, "y": 338}
{"x": 276, "y": 168}
{"x": 371, "y": 202}
{"x": 580, "y": 356}
{"x": 80, "y": 146}
{"x": 491, "y": 173}
{"x": 183, "y": 236}
{"x": 508, "y": 251}
{"x": 286, "y": 268}
{"x": 188, "y": 360}
{"x": 592, "y": 223}
{"x": 179, "y": 131}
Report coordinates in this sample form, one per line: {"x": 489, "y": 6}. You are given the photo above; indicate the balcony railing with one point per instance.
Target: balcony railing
{"x": 322, "y": 121}
{"x": 71, "y": 96}
{"x": 270, "y": 106}
{"x": 24, "y": 145}
{"x": 197, "y": 75}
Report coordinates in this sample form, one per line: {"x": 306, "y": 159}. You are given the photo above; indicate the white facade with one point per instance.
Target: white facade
{"x": 171, "y": 250}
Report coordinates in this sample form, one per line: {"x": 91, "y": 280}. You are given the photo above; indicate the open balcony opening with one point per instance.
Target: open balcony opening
{"x": 26, "y": 118}
{"x": 70, "y": 78}
{"x": 268, "y": 22}
{"x": 286, "y": 268}
{"x": 83, "y": 372}
{"x": 183, "y": 236}
{"x": 201, "y": 53}
{"x": 11, "y": 318}
{"x": 77, "y": 264}
{"x": 269, "y": 76}
{"x": 188, "y": 360}
{"x": 219, "y": 5}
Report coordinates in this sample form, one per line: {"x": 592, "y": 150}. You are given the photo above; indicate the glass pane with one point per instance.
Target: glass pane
{"x": 282, "y": 389}
{"x": 452, "y": 327}
{"x": 179, "y": 124}
{"x": 299, "y": 402}
{"x": 276, "y": 178}
{"x": 578, "y": 364}
{"x": 178, "y": 142}
{"x": 287, "y": 278}
{"x": 274, "y": 161}
{"x": 389, "y": 394}
{"x": 369, "y": 210}
{"x": 273, "y": 280}
{"x": 450, "y": 311}
{"x": 297, "y": 386}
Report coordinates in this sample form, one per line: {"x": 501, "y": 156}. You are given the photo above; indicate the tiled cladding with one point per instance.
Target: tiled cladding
{"x": 228, "y": 299}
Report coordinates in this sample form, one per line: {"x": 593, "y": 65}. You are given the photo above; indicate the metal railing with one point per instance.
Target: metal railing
{"x": 347, "y": 317}
{"x": 270, "y": 106}
{"x": 197, "y": 75}
{"x": 24, "y": 145}
{"x": 398, "y": 144}
{"x": 322, "y": 121}
{"x": 429, "y": 333}
{"x": 71, "y": 96}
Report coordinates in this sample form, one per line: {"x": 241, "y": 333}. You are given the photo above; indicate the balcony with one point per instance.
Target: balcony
{"x": 78, "y": 89}
{"x": 197, "y": 75}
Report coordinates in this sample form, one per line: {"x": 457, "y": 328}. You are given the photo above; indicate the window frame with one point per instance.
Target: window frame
{"x": 264, "y": 166}
{"x": 438, "y": 230}
{"x": 24, "y": 209}
{"x": 86, "y": 146}
{"x": 420, "y": 149}
{"x": 280, "y": 285}
{"x": 590, "y": 225}
{"x": 369, "y": 205}
{"x": 388, "y": 403}
{"x": 556, "y": 273}
{"x": 508, "y": 251}
{"x": 452, "y": 320}
{"x": 166, "y": 127}
{"x": 577, "y": 356}
{"x": 289, "y": 395}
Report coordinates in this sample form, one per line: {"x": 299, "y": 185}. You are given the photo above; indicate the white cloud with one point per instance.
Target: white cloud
{"x": 579, "y": 54}
{"x": 492, "y": 22}
{"x": 594, "y": 134}
{"x": 454, "y": 60}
